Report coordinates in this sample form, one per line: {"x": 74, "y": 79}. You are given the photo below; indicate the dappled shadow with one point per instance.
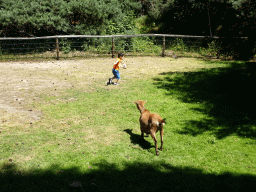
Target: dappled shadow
{"x": 135, "y": 139}
{"x": 227, "y": 97}
{"x": 136, "y": 176}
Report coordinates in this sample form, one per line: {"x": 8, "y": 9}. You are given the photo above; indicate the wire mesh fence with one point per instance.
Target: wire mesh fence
{"x": 73, "y": 46}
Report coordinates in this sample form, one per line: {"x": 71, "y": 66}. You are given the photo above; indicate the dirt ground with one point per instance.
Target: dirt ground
{"x": 23, "y": 83}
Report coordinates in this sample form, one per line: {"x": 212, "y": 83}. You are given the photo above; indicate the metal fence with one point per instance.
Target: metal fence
{"x": 70, "y": 46}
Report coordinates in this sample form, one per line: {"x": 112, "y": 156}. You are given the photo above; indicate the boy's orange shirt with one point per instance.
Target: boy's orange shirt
{"x": 117, "y": 64}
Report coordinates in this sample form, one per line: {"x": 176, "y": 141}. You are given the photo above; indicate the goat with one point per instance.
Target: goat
{"x": 150, "y": 123}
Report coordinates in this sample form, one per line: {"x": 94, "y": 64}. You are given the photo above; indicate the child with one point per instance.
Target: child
{"x": 115, "y": 69}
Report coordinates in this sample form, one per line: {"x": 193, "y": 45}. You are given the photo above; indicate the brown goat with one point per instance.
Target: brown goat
{"x": 150, "y": 123}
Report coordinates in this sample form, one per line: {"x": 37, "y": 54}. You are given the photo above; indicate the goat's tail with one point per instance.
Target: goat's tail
{"x": 158, "y": 122}
{"x": 163, "y": 122}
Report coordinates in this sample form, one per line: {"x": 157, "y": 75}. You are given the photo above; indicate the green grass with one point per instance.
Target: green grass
{"x": 91, "y": 142}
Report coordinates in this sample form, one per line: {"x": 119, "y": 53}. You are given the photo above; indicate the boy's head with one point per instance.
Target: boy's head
{"x": 120, "y": 55}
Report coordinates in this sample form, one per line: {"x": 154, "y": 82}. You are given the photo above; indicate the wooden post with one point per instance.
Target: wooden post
{"x": 57, "y": 49}
{"x": 113, "y": 47}
{"x": 208, "y": 5}
{"x": 218, "y": 53}
{"x": 163, "y": 46}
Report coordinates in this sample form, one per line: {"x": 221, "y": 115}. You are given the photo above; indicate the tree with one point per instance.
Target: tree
{"x": 37, "y": 17}
{"x": 225, "y": 18}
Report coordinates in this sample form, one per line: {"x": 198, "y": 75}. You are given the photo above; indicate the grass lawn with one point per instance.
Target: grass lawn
{"x": 88, "y": 136}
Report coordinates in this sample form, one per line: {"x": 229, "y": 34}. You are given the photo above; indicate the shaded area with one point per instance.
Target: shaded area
{"x": 133, "y": 177}
{"x": 135, "y": 139}
{"x": 225, "y": 95}
{"x": 225, "y": 19}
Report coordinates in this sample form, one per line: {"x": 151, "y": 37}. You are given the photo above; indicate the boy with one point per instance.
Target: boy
{"x": 116, "y": 67}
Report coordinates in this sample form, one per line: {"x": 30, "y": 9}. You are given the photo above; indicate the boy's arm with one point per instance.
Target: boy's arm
{"x": 116, "y": 62}
{"x": 123, "y": 66}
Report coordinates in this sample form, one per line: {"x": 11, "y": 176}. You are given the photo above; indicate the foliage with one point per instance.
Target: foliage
{"x": 65, "y": 45}
{"x": 42, "y": 18}
{"x": 125, "y": 26}
{"x": 99, "y": 46}
{"x": 153, "y": 8}
{"x": 60, "y": 16}
{"x": 32, "y": 16}
{"x": 212, "y": 47}
{"x": 188, "y": 12}
{"x": 219, "y": 18}
{"x": 145, "y": 45}
{"x": 144, "y": 25}
{"x": 179, "y": 45}
{"x": 194, "y": 46}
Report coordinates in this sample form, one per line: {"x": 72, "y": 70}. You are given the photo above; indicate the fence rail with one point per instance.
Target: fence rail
{"x": 110, "y": 43}
{"x": 108, "y": 36}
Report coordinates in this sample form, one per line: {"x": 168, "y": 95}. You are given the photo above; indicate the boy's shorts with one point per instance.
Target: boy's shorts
{"x": 116, "y": 74}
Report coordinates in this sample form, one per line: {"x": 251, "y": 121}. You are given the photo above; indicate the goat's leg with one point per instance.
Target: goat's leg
{"x": 162, "y": 138}
{"x": 153, "y": 135}
{"x": 142, "y": 134}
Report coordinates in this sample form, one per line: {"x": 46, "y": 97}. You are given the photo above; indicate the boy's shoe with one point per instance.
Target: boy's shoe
{"x": 116, "y": 83}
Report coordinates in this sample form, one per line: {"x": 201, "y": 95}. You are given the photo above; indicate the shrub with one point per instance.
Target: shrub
{"x": 65, "y": 46}
{"x": 145, "y": 45}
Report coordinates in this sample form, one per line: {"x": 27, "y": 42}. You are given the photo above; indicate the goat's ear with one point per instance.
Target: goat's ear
{"x": 135, "y": 102}
{"x": 145, "y": 101}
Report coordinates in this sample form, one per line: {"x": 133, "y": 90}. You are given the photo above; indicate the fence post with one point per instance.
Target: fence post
{"x": 57, "y": 48}
{"x": 163, "y": 46}
{"x": 113, "y": 47}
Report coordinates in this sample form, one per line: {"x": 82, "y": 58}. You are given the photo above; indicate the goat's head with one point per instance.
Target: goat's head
{"x": 140, "y": 104}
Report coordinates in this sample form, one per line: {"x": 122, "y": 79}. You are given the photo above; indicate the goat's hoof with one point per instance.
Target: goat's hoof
{"x": 157, "y": 153}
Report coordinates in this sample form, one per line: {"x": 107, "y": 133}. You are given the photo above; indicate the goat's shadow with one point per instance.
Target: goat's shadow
{"x": 136, "y": 139}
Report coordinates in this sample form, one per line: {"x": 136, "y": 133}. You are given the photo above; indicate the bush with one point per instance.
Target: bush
{"x": 178, "y": 45}
{"x": 145, "y": 45}
{"x": 239, "y": 49}
{"x": 65, "y": 46}
{"x": 97, "y": 45}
